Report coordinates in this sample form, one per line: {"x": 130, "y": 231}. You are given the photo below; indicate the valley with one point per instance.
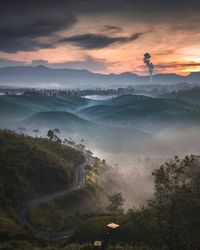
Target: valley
{"x": 123, "y": 140}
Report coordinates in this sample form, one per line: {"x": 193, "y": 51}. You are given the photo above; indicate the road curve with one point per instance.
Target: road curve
{"x": 79, "y": 182}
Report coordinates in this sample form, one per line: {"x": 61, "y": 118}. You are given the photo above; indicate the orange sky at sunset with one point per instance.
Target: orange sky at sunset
{"x": 173, "y": 41}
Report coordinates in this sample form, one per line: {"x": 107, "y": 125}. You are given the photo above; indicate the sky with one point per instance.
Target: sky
{"x": 105, "y": 36}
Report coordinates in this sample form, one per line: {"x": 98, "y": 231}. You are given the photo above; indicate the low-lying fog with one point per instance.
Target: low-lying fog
{"x": 134, "y": 161}
{"x": 133, "y": 151}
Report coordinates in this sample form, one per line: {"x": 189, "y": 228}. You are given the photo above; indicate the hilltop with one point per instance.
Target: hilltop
{"x": 144, "y": 113}
{"x": 15, "y": 109}
{"x": 54, "y": 119}
{"x": 190, "y": 96}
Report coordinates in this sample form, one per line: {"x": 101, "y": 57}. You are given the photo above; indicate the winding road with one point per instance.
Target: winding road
{"x": 79, "y": 182}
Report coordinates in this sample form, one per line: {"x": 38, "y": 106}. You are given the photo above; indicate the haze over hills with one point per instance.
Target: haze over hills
{"x": 190, "y": 95}
{"x": 60, "y": 119}
{"x": 17, "y": 108}
{"x": 144, "y": 113}
{"x": 42, "y": 76}
{"x": 126, "y": 111}
{"x": 128, "y": 123}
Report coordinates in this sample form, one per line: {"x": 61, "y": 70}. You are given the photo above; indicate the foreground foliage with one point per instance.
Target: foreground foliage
{"x": 30, "y": 166}
{"x": 171, "y": 220}
{"x": 88, "y": 246}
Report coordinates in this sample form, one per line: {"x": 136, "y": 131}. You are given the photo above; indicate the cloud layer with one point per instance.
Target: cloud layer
{"x": 117, "y": 32}
{"x": 94, "y": 41}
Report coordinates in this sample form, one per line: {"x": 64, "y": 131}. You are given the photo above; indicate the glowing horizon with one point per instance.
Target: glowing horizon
{"x": 103, "y": 37}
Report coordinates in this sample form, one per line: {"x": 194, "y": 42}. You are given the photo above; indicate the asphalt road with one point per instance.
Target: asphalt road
{"x": 79, "y": 182}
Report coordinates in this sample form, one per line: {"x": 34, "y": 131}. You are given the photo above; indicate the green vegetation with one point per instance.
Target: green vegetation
{"x": 145, "y": 112}
{"x": 139, "y": 112}
{"x": 30, "y": 166}
{"x": 24, "y": 245}
{"x": 47, "y": 216}
{"x": 14, "y": 109}
{"x": 71, "y": 209}
{"x": 59, "y": 119}
{"x": 116, "y": 203}
{"x": 170, "y": 220}
{"x": 190, "y": 95}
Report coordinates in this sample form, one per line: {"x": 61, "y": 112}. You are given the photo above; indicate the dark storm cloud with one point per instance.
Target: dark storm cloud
{"x": 23, "y": 27}
{"x": 12, "y": 43}
{"x": 112, "y": 28}
{"x": 142, "y": 9}
{"x": 95, "y": 41}
{"x": 26, "y": 37}
{"x": 129, "y": 6}
{"x": 24, "y": 22}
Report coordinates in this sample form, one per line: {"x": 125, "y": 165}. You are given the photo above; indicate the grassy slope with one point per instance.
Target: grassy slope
{"x": 16, "y": 108}
{"x": 134, "y": 106}
{"x": 144, "y": 111}
{"x": 54, "y": 119}
{"x": 81, "y": 201}
{"x": 139, "y": 112}
{"x": 30, "y": 166}
{"x": 191, "y": 95}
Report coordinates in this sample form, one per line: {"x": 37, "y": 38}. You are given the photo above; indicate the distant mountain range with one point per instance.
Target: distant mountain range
{"x": 41, "y": 76}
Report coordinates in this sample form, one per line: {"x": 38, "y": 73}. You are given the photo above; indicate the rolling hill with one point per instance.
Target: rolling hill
{"x": 57, "y": 119}
{"x": 14, "y": 109}
{"x": 76, "y": 114}
{"x": 190, "y": 96}
{"x": 146, "y": 113}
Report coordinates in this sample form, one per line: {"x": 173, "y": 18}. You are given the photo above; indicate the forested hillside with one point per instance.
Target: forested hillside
{"x": 30, "y": 166}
